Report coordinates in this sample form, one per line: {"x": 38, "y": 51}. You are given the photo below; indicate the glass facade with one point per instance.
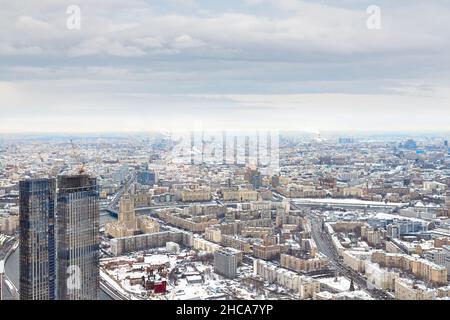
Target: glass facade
{"x": 78, "y": 238}
{"x": 37, "y": 239}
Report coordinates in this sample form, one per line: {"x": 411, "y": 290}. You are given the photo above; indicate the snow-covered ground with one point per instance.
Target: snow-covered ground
{"x": 347, "y": 201}
{"x": 195, "y": 279}
{"x": 341, "y": 285}
{"x": 381, "y": 216}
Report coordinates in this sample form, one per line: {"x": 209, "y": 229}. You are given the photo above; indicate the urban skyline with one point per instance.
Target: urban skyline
{"x": 359, "y": 218}
{"x": 226, "y": 151}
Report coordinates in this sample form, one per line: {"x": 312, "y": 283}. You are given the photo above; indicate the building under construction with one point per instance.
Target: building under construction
{"x": 78, "y": 238}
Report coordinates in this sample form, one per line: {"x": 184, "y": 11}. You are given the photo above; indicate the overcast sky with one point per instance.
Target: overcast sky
{"x": 139, "y": 65}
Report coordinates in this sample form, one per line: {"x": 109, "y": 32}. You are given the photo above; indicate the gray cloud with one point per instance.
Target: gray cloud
{"x": 191, "y": 59}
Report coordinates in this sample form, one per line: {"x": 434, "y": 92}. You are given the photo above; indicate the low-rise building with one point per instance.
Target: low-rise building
{"x": 305, "y": 286}
{"x": 407, "y": 289}
{"x": 421, "y": 268}
{"x": 267, "y": 252}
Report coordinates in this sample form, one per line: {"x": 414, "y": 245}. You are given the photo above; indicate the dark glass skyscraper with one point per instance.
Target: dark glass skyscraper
{"x": 37, "y": 239}
{"x": 146, "y": 177}
{"x": 78, "y": 238}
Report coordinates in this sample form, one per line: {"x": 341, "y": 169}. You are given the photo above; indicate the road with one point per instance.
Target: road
{"x": 325, "y": 246}
{"x": 113, "y": 205}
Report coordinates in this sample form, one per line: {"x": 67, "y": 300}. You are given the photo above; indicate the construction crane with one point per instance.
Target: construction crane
{"x": 76, "y": 156}
{"x": 53, "y": 170}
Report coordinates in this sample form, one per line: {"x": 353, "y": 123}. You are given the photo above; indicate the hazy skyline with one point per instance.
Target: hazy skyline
{"x": 256, "y": 64}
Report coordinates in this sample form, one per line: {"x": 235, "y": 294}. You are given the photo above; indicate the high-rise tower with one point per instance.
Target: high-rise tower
{"x": 37, "y": 239}
{"x": 127, "y": 215}
{"x": 78, "y": 238}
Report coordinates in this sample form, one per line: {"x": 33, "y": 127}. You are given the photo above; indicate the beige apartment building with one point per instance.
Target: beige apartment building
{"x": 421, "y": 268}
{"x": 441, "y": 241}
{"x": 142, "y": 200}
{"x": 303, "y": 265}
{"x": 195, "y": 195}
{"x": 186, "y": 223}
{"x": 256, "y": 232}
{"x": 267, "y": 252}
{"x": 147, "y": 225}
{"x": 213, "y": 234}
{"x": 406, "y": 289}
{"x": 240, "y": 195}
{"x": 352, "y": 192}
{"x": 237, "y": 243}
{"x": 372, "y": 236}
{"x": 306, "y": 287}
{"x": 302, "y": 191}
{"x": 205, "y": 245}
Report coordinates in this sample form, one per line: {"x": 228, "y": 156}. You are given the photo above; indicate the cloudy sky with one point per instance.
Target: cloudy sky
{"x": 138, "y": 65}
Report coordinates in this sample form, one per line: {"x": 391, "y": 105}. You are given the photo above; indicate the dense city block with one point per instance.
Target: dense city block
{"x": 258, "y": 216}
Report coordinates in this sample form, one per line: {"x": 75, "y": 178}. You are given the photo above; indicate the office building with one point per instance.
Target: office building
{"x": 78, "y": 238}
{"x": 146, "y": 177}
{"x": 37, "y": 239}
